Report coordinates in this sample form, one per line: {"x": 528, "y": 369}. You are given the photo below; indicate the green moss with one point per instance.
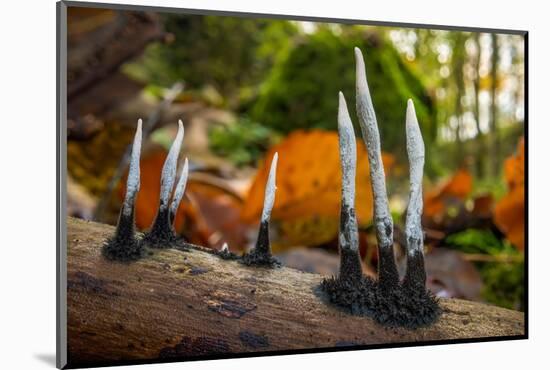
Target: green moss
{"x": 301, "y": 91}
{"x": 228, "y": 53}
{"x": 242, "y": 142}
{"x": 503, "y": 282}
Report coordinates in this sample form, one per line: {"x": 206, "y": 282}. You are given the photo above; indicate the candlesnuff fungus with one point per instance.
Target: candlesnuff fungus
{"x": 124, "y": 246}
{"x": 415, "y": 276}
{"x": 225, "y": 248}
{"x": 261, "y": 254}
{"x": 386, "y": 300}
{"x": 387, "y": 271}
{"x": 225, "y": 253}
{"x": 348, "y": 238}
{"x": 161, "y": 234}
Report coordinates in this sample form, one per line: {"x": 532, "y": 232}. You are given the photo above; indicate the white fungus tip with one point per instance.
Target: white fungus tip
{"x": 225, "y": 247}
{"x": 415, "y": 151}
{"x": 169, "y": 169}
{"x": 269, "y": 196}
{"x": 415, "y": 143}
{"x": 359, "y": 55}
{"x": 181, "y": 129}
{"x": 360, "y": 73}
{"x": 348, "y": 157}
{"x": 180, "y": 187}
{"x": 133, "y": 181}
{"x": 341, "y": 103}
{"x": 344, "y": 120}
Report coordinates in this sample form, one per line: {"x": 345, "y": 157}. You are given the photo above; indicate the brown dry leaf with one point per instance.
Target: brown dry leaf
{"x": 455, "y": 189}
{"x": 309, "y": 185}
{"x": 217, "y": 215}
{"x": 483, "y": 205}
{"x": 513, "y": 167}
{"x": 510, "y": 210}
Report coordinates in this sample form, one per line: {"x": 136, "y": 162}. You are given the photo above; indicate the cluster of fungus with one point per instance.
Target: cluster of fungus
{"x": 387, "y": 300}
{"x": 125, "y": 245}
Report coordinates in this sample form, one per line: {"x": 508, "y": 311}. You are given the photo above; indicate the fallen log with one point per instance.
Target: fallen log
{"x": 174, "y": 304}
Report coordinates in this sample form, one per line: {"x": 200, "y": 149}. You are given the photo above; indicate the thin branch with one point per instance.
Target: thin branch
{"x": 151, "y": 122}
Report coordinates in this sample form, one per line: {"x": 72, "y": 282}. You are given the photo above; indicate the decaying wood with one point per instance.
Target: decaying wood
{"x": 176, "y": 304}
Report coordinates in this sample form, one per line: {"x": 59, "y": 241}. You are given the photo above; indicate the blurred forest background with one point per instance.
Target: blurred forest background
{"x": 246, "y": 88}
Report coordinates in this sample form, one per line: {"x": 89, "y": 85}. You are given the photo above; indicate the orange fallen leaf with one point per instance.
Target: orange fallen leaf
{"x": 510, "y": 210}
{"x": 307, "y": 203}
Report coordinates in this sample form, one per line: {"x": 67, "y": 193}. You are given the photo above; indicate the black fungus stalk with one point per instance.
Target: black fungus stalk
{"x": 261, "y": 254}
{"x": 348, "y": 238}
{"x": 161, "y": 234}
{"x": 124, "y": 246}
{"x": 226, "y": 254}
{"x": 388, "y": 276}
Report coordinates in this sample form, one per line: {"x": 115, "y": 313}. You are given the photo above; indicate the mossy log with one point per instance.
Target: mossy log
{"x": 175, "y": 304}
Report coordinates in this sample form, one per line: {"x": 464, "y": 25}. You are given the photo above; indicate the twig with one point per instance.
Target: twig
{"x": 151, "y": 122}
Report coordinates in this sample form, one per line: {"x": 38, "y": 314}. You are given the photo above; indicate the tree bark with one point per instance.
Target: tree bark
{"x": 493, "y": 123}
{"x": 481, "y": 155}
{"x": 177, "y": 304}
{"x": 458, "y": 73}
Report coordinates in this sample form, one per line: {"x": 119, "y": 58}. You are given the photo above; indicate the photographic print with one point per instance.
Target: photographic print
{"x": 252, "y": 184}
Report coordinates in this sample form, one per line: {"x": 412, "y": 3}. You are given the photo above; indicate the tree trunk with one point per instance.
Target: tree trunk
{"x": 176, "y": 304}
{"x": 495, "y": 136}
{"x": 458, "y": 74}
{"x": 481, "y": 155}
